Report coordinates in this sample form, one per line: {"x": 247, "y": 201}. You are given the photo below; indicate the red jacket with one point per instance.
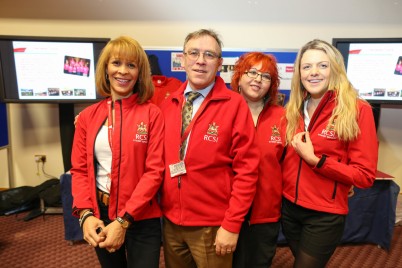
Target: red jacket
{"x": 221, "y": 161}
{"x": 164, "y": 86}
{"x": 326, "y": 188}
{"x": 137, "y": 163}
{"x": 268, "y": 198}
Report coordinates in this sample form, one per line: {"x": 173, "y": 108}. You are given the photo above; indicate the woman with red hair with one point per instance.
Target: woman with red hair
{"x": 256, "y": 78}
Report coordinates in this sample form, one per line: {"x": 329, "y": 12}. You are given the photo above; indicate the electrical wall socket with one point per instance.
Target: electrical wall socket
{"x": 40, "y": 158}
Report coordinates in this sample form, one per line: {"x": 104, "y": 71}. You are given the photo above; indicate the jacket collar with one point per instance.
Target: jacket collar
{"x": 126, "y": 102}
{"x": 330, "y": 94}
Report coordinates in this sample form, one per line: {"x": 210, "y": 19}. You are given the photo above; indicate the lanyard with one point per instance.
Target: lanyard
{"x": 110, "y": 123}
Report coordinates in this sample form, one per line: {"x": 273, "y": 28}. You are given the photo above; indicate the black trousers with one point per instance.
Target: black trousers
{"x": 313, "y": 232}
{"x": 141, "y": 247}
{"x": 256, "y": 246}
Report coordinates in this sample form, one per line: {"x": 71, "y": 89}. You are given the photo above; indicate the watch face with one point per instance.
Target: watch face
{"x": 124, "y": 223}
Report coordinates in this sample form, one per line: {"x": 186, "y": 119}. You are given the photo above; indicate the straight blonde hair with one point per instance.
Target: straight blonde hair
{"x": 125, "y": 47}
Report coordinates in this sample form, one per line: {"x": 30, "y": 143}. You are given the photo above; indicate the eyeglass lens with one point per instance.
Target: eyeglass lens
{"x": 195, "y": 54}
{"x": 255, "y": 74}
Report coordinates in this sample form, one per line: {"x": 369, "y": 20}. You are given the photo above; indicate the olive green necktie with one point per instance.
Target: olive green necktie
{"x": 186, "y": 116}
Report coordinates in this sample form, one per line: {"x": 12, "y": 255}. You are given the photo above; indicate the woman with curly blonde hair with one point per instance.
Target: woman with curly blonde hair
{"x": 332, "y": 146}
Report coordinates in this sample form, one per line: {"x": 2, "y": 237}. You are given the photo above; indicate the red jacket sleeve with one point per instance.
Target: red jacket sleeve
{"x": 362, "y": 155}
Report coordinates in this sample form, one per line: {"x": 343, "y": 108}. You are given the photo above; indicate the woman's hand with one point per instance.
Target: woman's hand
{"x": 76, "y": 119}
{"x": 89, "y": 229}
{"x": 304, "y": 148}
{"x": 114, "y": 234}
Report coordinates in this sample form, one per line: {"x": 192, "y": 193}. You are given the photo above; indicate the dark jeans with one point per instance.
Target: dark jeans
{"x": 141, "y": 247}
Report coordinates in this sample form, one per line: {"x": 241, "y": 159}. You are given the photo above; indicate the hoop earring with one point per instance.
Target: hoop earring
{"x": 107, "y": 77}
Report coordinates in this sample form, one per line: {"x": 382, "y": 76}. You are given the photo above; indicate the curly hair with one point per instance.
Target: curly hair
{"x": 269, "y": 65}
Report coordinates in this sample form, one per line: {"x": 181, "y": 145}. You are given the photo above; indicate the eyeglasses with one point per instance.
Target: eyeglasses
{"x": 195, "y": 54}
{"x": 254, "y": 74}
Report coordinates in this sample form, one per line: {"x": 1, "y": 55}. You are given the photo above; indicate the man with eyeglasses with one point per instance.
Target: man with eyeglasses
{"x": 211, "y": 163}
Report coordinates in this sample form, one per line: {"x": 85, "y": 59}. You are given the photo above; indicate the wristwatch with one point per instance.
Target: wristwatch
{"x": 124, "y": 222}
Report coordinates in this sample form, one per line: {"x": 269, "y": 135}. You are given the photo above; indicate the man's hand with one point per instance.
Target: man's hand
{"x": 225, "y": 242}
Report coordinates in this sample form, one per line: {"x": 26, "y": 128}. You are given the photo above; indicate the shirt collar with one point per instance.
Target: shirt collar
{"x": 204, "y": 92}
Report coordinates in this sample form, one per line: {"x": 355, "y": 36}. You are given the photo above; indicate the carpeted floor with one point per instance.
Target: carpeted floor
{"x": 40, "y": 243}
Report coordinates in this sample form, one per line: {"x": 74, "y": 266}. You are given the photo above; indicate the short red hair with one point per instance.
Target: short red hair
{"x": 269, "y": 65}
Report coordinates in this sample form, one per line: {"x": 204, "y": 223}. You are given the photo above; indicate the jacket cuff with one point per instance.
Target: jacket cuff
{"x": 322, "y": 161}
{"x": 128, "y": 217}
{"x": 232, "y": 227}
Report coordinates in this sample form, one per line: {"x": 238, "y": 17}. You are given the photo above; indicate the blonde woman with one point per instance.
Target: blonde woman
{"x": 332, "y": 145}
{"x": 117, "y": 161}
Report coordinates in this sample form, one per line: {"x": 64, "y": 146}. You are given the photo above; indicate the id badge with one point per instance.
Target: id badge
{"x": 177, "y": 169}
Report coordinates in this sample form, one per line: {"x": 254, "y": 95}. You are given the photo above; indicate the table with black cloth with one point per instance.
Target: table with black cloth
{"x": 371, "y": 217}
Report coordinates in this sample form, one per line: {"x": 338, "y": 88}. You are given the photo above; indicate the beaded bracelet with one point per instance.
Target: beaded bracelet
{"x": 84, "y": 217}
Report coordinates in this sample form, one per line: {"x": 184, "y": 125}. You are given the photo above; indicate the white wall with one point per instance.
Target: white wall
{"x": 4, "y": 168}
{"x": 34, "y": 127}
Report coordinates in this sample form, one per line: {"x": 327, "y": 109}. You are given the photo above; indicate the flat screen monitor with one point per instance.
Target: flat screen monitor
{"x": 374, "y": 67}
{"x": 49, "y": 69}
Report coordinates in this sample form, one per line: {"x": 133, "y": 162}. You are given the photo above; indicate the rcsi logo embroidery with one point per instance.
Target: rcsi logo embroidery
{"x": 275, "y": 135}
{"x": 329, "y": 131}
{"x": 212, "y": 133}
{"x": 142, "y": 133}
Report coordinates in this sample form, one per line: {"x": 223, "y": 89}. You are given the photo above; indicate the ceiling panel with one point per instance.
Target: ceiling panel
{"x": 285, "y": 11}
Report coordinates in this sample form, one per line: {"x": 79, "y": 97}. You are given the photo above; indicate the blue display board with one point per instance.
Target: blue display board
{"x": 168, "y": 60}
{"x": 3, "y": 125}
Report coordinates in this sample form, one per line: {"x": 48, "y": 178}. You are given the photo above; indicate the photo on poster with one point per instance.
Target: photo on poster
{"x": 393, "y": 93}
{"x": 285, "y": 71}
{"x": 398, "y": 67}
{"x": 53, "y": 91}
{"x": 80, "y": 92}
{"x": 76, "y": 65}
{"x": 176, "y": 58}
{"x": 227, "y": 68}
